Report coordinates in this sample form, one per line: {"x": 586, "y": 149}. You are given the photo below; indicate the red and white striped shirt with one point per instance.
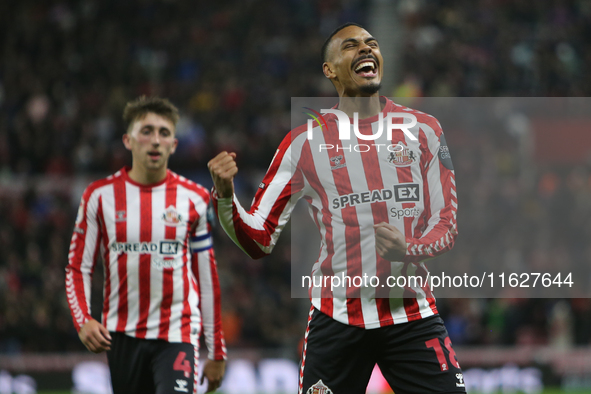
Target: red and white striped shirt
{"x": 161, "y": 278}
{"x": 409, "y": 184}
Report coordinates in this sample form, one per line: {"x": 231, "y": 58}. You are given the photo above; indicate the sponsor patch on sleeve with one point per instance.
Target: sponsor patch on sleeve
{"x": 444, "y": 156}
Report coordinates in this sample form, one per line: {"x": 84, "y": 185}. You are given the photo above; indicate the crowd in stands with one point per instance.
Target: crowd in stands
{"x": 68, "y": 67}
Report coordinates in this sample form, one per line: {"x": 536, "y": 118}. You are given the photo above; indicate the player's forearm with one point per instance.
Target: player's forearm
{"x": 244, "y": 229}
{"x": 438, "y": 241}
{"x": 76, "y": 296}
{"x": 210, "y": 303}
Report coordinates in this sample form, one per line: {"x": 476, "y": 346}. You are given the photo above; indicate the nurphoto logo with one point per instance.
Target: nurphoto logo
{"x": 408, "y": 121}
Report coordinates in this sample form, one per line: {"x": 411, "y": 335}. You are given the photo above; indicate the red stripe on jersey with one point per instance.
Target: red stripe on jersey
{"x": 121, "y": 236}
{"x": 352, "y": 233}
{"x": 426, "y": 157}
{"x": 411, "y": 306}
{"x": 373, "y": 176}
{"x": 167, "y": 280}
{"x": 309, "y": 170}
{"x": 217, "y": 323}
{"x": 422, "y": 272}
{"x": 186, "y": 317}
{"x": 145, "y": 261}
{"x": 103, "y": 237}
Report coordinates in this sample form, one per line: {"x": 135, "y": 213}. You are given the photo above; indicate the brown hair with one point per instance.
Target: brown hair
{"x": 143, "y": 105}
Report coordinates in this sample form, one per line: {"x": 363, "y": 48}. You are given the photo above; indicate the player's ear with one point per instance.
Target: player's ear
{"x": 126, "y": 141}
{"x": 174, "y": 145}
{"x": 327, "y": 69}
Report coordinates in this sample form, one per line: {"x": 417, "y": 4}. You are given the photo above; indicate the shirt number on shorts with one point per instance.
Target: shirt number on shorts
{"x": 436, "y": 345}
{"x": 180, "y": 364}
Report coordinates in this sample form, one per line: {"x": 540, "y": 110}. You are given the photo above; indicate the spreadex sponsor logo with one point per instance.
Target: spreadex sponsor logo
{"x": 162, "y": 247}
{"x": 408, "y": 192}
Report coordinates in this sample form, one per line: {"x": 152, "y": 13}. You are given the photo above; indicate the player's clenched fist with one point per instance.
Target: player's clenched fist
{"x": 95, "y": 336}
{"x": 223, "y": 168}
{"x": 390, "y": 243}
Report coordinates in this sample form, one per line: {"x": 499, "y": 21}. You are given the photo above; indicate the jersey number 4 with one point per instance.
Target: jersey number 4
{"x": 180, "y": 364}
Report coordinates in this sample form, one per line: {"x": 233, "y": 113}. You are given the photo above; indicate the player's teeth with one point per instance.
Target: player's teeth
{"x": 364, "y": 64}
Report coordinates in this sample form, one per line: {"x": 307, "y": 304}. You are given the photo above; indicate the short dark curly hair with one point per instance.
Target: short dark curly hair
{"x": 141, "y": 106}
{"x": 338, "y": 29}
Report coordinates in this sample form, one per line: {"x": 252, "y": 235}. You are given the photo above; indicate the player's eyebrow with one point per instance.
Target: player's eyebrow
{"x": 349, "y": 40}
{"x": 152, "y": 127}
{"x": 355, "y": 41}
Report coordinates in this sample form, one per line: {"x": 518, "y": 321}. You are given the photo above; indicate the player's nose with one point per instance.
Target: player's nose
{"x": 364, "y": 48}
{"x": 156, "y": 139}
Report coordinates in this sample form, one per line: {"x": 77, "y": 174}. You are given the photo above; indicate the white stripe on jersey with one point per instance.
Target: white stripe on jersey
{"x": 108, "y": 199}
{"x": 132, "y": 204}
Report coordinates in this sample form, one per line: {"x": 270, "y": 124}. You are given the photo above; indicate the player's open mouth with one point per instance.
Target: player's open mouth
{"x": 366, "y": 68}
{"x": 154, "y": 155}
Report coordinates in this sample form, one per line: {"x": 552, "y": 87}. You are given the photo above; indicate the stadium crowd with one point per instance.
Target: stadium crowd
{"x": 67, "y": 68}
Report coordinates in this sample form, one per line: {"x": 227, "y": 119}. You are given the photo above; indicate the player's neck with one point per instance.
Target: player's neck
{"x": 365, "y": 106}
{"x": 145, "y": 177}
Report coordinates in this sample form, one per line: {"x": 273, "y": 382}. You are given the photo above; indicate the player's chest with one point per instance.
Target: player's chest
{"x": 365, "y": 164}
{"x": 144, "y": 216}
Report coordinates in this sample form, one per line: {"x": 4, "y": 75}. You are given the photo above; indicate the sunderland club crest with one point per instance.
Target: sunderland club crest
{"x": 337, "y": 162}
{"x": 400, "y": 155}
{"x": 120, "y": 216}
{"x": 319, "y": 388}
{"x": 171, "y": 217}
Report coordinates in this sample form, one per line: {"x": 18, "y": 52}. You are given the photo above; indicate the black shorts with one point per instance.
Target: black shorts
{"x": 414, "y": 357}
{"x": 147, "y": 366}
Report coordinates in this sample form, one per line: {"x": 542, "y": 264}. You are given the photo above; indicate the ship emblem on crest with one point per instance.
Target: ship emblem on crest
{"x": 400, "y": 155}
{"x": 171, "y": 217}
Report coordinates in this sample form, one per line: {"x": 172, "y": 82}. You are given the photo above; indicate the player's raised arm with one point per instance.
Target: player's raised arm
{"x": 256, "y": 231}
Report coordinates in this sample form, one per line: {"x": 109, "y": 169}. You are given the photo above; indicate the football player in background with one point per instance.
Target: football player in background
{"x": 161, "y": 286}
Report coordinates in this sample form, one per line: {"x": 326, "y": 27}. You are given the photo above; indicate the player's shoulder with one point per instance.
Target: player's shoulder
{"x": 190, "y": 186}
{"x": 300, "y": 129}
{"x": 98, "y": 185}
{"x": 297, "y": 132}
